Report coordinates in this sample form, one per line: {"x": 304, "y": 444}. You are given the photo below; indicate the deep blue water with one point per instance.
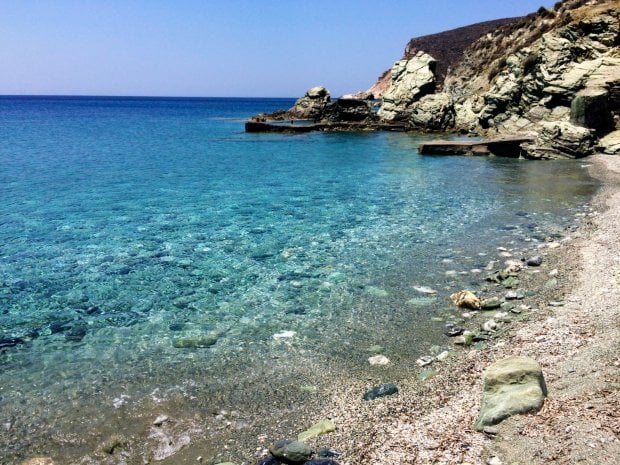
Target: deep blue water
{"x": 130, "y": 224}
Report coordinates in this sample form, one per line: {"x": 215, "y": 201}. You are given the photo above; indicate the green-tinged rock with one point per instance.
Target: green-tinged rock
{"x": 309, "y": 388}
{"x": 199, "y": 341}
{"x": 114, "y": 442}
{"x": 511, "y": 386}
{"x": 376, "y": 349}
{"x": 511, "y": 282}
{"x": 290, "y": 451}
{"x": 226, "y": 463}
{"x": 318, "y": 429}
{"x": 377, "y": 291}
{"x": 426, "y": 374}
{"x": 422, "y": 301}
{"x": 491, "y": 303}
{"x": 551, "y": 283}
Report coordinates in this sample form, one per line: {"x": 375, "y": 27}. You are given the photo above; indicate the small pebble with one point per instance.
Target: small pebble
{"x": 160, "y": 420}
{"x": 424, "y": 361}
{"x": 379, "y": 360}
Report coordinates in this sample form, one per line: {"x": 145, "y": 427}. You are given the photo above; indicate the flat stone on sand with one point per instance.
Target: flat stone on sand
{"x": 511, "y": 386}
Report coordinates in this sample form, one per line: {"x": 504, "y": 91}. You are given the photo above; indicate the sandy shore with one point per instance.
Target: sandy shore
{"x": 577, "y": 344}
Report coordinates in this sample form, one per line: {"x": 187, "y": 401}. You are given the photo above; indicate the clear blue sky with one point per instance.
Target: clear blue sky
{"x": 218, "y": 47}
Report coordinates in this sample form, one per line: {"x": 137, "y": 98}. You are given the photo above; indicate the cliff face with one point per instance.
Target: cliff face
{"x": 446, "y": 47}
{"x": 555, "y": 73}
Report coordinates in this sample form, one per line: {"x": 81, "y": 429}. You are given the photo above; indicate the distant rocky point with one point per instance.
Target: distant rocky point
{"x": 553, "y": 75}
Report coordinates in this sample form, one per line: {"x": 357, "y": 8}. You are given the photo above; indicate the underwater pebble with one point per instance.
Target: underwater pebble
{"x": 379, "y": 360}
{"x": 424, "y": 290}
{"x": 424, "y": 361}
{"x": 284, "y": 335}
{"x": 160, "y": 420}
{"x": 386, "y": 389}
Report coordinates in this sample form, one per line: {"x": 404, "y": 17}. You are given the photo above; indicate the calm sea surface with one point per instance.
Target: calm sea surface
{"x": 133, "y": 230}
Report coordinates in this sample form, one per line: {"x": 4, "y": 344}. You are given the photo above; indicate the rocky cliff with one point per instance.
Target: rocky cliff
{"x": 446, "y": 47}
{"x": 553, "y": 76}
{"x": 554, "y": 73}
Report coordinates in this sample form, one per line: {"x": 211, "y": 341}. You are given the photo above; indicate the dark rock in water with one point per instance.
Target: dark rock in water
{"x": 453, "y": 331}
{"x": 59, "y": 325}
{"x": 10, "y": 342}
{"x": 92, "y": 309}
{"x": 482, "y": 336}
{"x": 176, "y": 326}
{"x": 297, "y": 311}
{"x": 382, "y": 390}
{"x": 290, "y": 451}
{"x": 534, "y": 261}
{"x": 349, "y": 110}
{"x": 321, "y": 462}
{"x": 269, "y": 461}
{"x": 76, "y": 333}
{"x": 328, "y": 452}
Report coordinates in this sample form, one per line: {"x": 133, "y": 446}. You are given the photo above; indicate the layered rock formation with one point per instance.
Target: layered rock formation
{"x": 446, "y": 47}
{"x": 555, "y": 74}
{"x": 411, "y": 80}
{"x": 311, "y": 105}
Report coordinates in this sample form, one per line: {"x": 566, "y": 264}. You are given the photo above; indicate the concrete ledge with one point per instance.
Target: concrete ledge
{"x": 501, "y": 147}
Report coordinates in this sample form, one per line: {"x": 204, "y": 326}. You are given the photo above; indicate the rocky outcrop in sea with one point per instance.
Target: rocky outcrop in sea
{"x": 553, "y": 75}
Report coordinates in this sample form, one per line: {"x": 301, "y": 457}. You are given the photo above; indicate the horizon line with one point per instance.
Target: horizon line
{"x": 137, "y": 96}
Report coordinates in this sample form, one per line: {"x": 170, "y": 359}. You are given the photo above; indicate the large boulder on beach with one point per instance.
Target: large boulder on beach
{"x": 411, "y": 80}
{"x": 312, "y": 104}
{"x": 610, "y": 144}
{"x": 561, "y": 139}
{"x": 512, "y": 386}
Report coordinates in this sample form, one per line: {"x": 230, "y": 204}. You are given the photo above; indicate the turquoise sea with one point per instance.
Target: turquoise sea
{"x": 157, "y": 260}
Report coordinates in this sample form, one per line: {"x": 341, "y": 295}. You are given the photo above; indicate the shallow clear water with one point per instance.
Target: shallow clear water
{"x": 130, "y": 226}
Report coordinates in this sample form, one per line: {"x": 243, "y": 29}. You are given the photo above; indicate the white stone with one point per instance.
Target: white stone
{"x": 378, "y": 360}
{"x": 284, "y": 334}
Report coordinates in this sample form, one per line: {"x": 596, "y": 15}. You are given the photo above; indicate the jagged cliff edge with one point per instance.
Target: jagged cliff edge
{"x": 554, "y": 74}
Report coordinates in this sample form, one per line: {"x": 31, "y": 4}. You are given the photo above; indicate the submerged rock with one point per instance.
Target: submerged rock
{"x": 511, "y": 386}
{"x": 378, "y": 360}
{"x": 328, "y": 452}
{"x": 76, "y": 333}
{"x": 382, "y": 390}
{"x": 199, "y": 341}
{"x": 6, "y": 342}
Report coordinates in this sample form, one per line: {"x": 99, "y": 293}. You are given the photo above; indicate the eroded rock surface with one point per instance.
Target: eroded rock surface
{"x": 411, "y": 80}
{"x": 312, "y": 104}
{"x": 511, "y": 386}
